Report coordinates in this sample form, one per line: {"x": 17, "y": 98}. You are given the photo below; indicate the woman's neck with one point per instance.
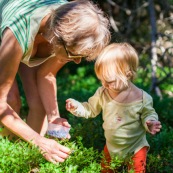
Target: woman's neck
{"x": 44, "y": 25}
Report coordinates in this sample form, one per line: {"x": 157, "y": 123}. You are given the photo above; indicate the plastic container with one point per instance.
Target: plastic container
{"x": 58, "y": 131}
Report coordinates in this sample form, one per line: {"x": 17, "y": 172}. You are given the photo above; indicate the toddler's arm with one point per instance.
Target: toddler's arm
{"x": 89, "y": 109}
{"x": 154, "y": 126}
{"x": 75, "y": 108}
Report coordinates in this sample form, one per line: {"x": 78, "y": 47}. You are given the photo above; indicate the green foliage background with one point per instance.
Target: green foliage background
{"x": 79, "y": 82}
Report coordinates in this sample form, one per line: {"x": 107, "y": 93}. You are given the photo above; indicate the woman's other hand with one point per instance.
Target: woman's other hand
{"x": 61, "y": 121}
{"x": 53, "y": 151}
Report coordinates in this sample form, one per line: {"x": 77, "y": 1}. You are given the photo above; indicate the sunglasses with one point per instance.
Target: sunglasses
{"x": 71, "y": 55}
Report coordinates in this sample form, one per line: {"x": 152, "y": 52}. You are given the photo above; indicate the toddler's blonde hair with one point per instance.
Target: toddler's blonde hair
{"x": 117, "y": 62}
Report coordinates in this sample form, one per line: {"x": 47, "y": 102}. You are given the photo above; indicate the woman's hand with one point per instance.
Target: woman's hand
{"x": 60, "y": 121}
{"x": 53, "y": 151}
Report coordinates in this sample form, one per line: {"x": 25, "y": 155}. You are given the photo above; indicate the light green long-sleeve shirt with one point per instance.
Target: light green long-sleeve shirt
{"x": 124, "y": 123}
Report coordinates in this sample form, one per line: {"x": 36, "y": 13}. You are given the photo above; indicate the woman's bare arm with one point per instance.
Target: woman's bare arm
{"x": 10, "y": 56}
{"x": 46, "y": 78}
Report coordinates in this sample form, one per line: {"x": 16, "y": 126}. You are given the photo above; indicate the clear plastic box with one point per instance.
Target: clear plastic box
{"x": 58, "y": 131}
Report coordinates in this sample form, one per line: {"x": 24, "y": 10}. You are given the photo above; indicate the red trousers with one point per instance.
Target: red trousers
{"x": 138, "y": 165}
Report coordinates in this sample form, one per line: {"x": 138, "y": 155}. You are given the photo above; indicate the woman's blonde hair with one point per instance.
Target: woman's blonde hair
{"x": 81, "y": 25}
{"x": 117, "y": 62}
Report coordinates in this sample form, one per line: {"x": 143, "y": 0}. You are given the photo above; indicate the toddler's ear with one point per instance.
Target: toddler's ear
{"x": 129, "y": 74}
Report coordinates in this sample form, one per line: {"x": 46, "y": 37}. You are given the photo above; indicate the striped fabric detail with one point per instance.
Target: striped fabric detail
{"x": 16, "y": 15}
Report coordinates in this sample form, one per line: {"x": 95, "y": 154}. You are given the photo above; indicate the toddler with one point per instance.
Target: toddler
{"x": 127, "y": 110}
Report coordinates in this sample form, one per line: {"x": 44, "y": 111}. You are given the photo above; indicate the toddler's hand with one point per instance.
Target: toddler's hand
{"x": 154, "y": 126}
{"x": 71, "y": 104}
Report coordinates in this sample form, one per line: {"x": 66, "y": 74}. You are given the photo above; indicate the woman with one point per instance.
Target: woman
{"x": 38, "y": 38}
